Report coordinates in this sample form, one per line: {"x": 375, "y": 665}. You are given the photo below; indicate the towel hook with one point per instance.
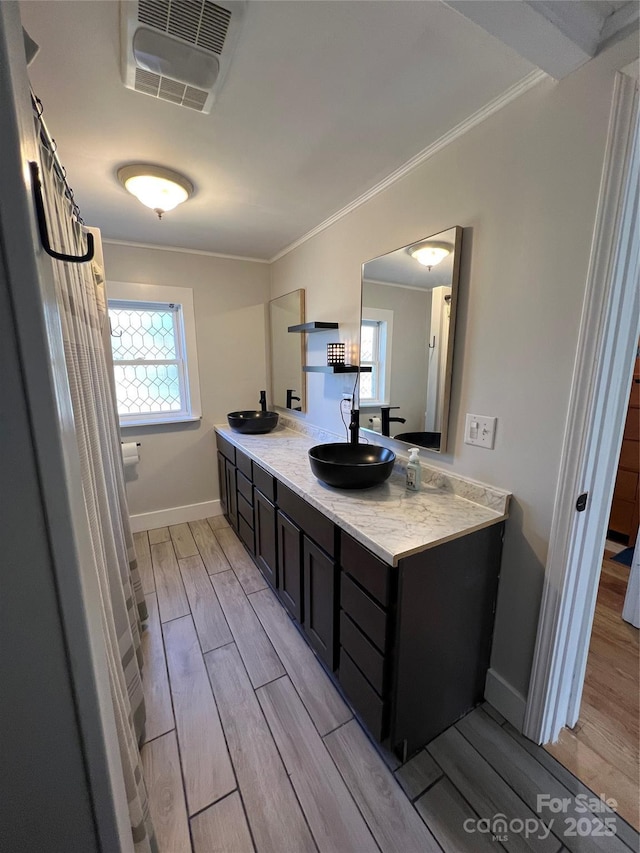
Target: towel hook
{"x": 433, "y": 345}
{"x": 44, "y": 231}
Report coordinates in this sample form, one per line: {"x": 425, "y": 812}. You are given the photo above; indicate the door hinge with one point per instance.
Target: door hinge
{"x": 581, "y": 503}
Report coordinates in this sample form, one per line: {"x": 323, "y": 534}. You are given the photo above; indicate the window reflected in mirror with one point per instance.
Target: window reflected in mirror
{"x": 288, "y": 387}
{"x": 376, "y": 335}
{"x": 407, "y": 330}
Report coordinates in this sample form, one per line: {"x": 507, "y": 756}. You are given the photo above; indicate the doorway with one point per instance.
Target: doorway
{"x": 597, "y": 409}
{"x": 602, "y": 748}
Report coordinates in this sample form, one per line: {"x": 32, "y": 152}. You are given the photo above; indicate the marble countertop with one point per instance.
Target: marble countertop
{"x": 388, "y": 520}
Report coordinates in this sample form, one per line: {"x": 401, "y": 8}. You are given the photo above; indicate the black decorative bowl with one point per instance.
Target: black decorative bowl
{"x": 253, "y": 423}
{"x": 351, "y": 466}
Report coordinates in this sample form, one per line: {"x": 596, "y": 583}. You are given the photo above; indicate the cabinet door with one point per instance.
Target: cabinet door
{"x": 232, "y": 495}
{"x": 265, "y": 529}
{"x": 320, "y": 605}
{"x": 222, "y": 482}
{"x": 290, "y": 566}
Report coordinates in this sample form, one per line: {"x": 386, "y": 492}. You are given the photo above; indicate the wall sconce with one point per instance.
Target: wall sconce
{"x": 335, "y": 354}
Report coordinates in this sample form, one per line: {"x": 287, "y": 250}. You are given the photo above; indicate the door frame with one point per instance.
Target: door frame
{"x": 51, "y": 446}
{"x": 607, "y": 343}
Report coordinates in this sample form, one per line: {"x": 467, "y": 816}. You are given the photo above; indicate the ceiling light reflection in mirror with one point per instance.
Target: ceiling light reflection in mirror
{"x": 407, "y": 332}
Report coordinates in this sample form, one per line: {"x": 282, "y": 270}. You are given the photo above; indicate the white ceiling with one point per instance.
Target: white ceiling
{"x": 323, "y": 100}
{"x": 400, "y": 268}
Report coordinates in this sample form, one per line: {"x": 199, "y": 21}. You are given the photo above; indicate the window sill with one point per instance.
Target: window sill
{"x": 183, "y": 419}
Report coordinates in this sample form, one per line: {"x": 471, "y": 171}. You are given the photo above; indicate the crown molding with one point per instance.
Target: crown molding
{"x": 502, "y": 100}
{"x": 398, "y": 284}
{"x": 133, "y": 245}
{"x": 509, "y": 95}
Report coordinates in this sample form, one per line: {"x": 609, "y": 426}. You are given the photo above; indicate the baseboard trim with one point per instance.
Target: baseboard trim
{"x": 174, "y": 515}
{"x": 505, "y": 698}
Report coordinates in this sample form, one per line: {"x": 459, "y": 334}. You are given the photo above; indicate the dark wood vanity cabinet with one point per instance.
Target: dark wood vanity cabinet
{"x": 367, "y": 598}
{"x": 265, "y": 537}
{"x": 245, "y": 508}
{"x": 293, "y": 545}
{"x": 409, "y": 645}
{"x": 320, "y": 601}
{"x": 290, "y": 565}
{"x": 415, "y": 640}
{"x": 444, "y": 629}
{"x": 222, "y": 483}
{"x": 236, "y": 490}
{"x": 227, "y": 480}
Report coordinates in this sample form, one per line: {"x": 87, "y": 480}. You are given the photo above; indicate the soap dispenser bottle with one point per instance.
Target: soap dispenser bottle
{"x": 414, "y": 471}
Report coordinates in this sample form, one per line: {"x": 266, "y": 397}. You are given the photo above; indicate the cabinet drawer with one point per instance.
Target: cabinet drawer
{"x": 366, "y": 568}
{"x": 630, "y": 455}
{"x": 626, "y": 485}
{"x": 315, "y": 525}
{"x": 362, "y": 696}
{"x": 364, "y": 653}
{"x": 368, "y": 616}
{"x": 244, "y": 487}
{"x": 226, "y": 448}
{"x": 264, "y": 482}
{"x": 244, "y": 463}
{"x": 621, "y": 518}
{"x": 246, "y": 510}
{"x": 246, "y": 534}
{"x": 632, "y": 424}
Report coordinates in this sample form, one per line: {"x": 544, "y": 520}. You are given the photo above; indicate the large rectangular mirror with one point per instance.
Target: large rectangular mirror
{"x": 408, "y": 323}
{"x": 288, "y": 387}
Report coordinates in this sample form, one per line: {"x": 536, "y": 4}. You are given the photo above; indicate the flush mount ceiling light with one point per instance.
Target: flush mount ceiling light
{"x": 430, "y": 253}
{"x": 156, "y": 187}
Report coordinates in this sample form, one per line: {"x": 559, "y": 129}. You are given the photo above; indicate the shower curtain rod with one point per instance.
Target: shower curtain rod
{"x": 50, "y": 144}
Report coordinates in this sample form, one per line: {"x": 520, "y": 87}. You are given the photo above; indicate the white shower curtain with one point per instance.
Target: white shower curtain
{"x": 83, "y": 311}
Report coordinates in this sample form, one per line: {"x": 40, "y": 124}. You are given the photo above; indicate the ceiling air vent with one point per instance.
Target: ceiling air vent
{"x": 179, "y": 50}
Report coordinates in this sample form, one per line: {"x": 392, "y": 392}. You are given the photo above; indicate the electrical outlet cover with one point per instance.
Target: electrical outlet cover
{"x": 480, "y": 430}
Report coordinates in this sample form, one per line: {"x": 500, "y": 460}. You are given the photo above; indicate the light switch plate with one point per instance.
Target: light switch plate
{"x": 480, "y": 430}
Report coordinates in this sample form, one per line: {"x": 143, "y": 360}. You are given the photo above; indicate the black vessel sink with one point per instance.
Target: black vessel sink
{"x": 351, "y": 466}
{"x": 430, "y": 440}
{"x": 253, "y": 422}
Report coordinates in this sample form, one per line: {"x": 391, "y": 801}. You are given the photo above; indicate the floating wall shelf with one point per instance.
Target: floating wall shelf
{"x": 335, "y": 368}
{"x": 313, "y": 327}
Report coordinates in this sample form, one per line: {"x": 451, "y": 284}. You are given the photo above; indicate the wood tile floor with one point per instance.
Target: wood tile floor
{"x": 250, "y": 747}
{"x": 602, "y": 749}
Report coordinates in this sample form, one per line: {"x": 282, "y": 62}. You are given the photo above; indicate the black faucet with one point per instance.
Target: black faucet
{"x": 354, "y": 426}
{"x": 290, "y": 398}
{"x": 386, "y": 420}
{"x": 263, "y": 401}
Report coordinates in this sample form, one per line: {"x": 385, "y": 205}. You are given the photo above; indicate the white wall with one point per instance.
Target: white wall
{"x": 178, "y": 462}
{"x": 286, "y": 352}
{"x": 411, "y": 322}
{"x": 524, "y": 185}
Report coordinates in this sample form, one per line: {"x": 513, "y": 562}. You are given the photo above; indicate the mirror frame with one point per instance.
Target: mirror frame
{"x": 303, "y": 389}
{"x": 455, "y": 286}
